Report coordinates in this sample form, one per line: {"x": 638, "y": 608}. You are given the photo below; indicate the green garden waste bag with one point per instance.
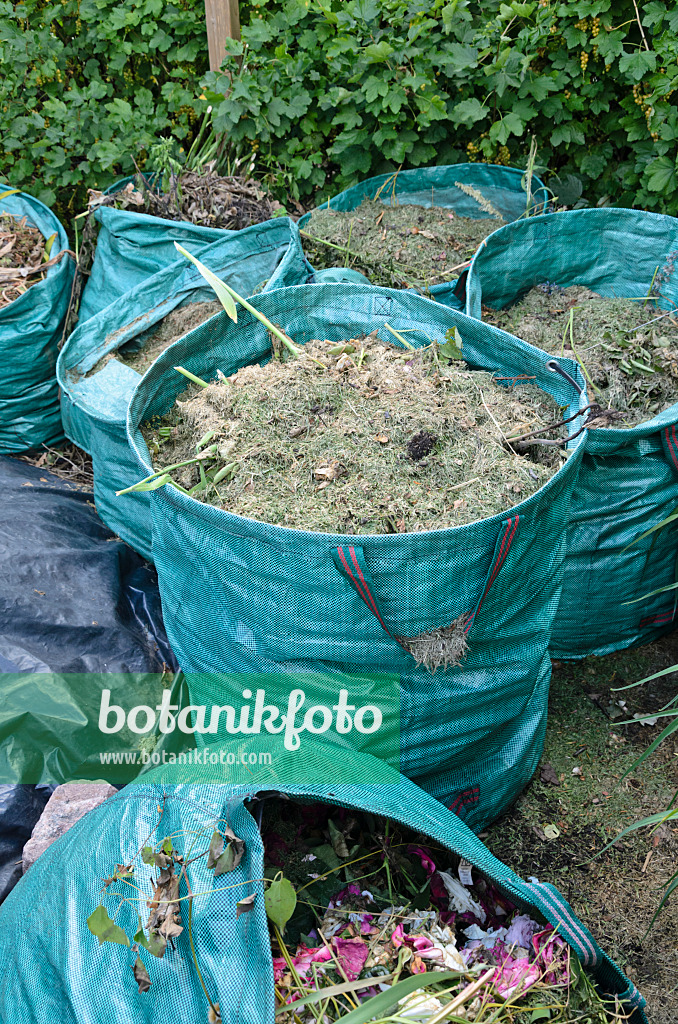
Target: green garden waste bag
{"x": 242, "y": 597}
{"x": 54, "y": 968}
{"x": 131, "y": 247}
{"x": 629, "y": 478}
{"x": 95, "y": 393}
{"x": 30, "y": 332}
{"x": 435, "y": 186}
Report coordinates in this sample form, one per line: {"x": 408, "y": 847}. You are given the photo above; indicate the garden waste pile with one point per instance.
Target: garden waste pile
{"x": 399, "y": 245}
{"x": 378, "y": 920}
{"x": 628, "y": 350}
{"x": 358, "y": 437}
{"x": 24, "y": 256}
{"x": 141, "y": 352}
{"x": 206, "y": 198}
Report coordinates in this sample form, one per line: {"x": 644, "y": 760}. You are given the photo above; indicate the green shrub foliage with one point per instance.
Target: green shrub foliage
{"x": 328, "y": 91}
{"x": 88, "y": 85}
{"x": 325, "y": 92}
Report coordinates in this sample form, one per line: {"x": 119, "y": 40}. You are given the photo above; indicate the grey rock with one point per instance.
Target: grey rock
{"x": 67, "y": 804}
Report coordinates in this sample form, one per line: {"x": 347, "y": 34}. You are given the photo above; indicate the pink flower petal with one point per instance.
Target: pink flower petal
{"x": 425, "y": 858}
{"x": 351, "y": 954}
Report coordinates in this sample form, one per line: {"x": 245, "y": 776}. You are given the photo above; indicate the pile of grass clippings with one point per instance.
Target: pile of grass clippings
{"x": 142, "y": 352}
{"x": 177, "y": 323}
{"x": 358, "y": 437}
{"x": 396, "y": 245}
{"x": 24, "y": 257}
{"x": 377, "y": 916}
{"x": 208, "y": 198}
{"x": 630, "y": 365}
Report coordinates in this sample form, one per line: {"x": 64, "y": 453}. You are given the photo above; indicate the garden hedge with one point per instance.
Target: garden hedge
{"x": 326, "y": 93}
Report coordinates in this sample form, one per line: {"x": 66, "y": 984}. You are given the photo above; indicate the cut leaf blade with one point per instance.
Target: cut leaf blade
{"x": 219, "y": 287}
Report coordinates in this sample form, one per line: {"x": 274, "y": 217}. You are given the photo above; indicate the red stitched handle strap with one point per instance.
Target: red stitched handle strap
{"x": 670, "y": 442}
{"x": 501, "y": 549}
{"x": 350, "y": 561}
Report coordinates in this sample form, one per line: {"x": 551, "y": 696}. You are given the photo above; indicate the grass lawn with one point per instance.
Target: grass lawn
{"x": 617, "y": 894}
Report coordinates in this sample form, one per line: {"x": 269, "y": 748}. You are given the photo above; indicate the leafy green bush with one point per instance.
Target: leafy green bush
{"x": 325, "y": 92}
{"x": 87, "y": 85}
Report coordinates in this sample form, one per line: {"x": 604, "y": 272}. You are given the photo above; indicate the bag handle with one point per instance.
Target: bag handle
{"x": 507, "y": 534}
{"x": 670, "y": 442}
{"x": 351, "y": 564}
{"x": 350, "y": 561}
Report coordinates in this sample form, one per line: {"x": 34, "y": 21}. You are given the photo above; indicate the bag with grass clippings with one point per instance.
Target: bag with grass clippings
{"x": 99, "y": 365}
{"x": 32, "y": 310}
{"x": 242, "y": 596}
{"x": 80, "y": 903}
{"x": 629, "y": 477}
{"x": 457, "y": 187}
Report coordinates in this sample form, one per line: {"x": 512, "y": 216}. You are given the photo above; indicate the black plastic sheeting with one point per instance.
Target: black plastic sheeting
{"x": 73, "y": 599}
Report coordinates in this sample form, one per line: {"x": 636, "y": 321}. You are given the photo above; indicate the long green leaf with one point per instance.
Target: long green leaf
{"x": 665, "y": 522}
{"x": 218, "y": 285}
{"x": 664, "y": 713}
{"x": 647, "y": 679}
{"x": 206, "y": 454}
{"x": 671, "y": 887}
{"x": 652, "y": 819}
{"x": 192, "y": 377}
{"x": 653, "y": 593}
{"x": 48, "y": 247}
{"x": 269, "y": 325}
{"x": 9, "y": 192}
{"x": 651, "y": 749}
{"x": 378, "y": 1006}
{"x": 321, "y": 994}
{"x": 150, "y": 485}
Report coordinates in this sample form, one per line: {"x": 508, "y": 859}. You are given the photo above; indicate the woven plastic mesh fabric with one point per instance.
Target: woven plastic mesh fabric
{"x": 629, "y": 478}
{"x": 94, "y": 408}
{"x": 30, "y": 332}
{"x": 131, "y": 247}
{"x": 55, "y": 971}
{"x": 243, "y": 596}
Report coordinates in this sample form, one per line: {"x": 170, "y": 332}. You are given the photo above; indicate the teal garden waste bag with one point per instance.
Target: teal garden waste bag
{"x": 629, "y": 478}
{"x": 30, "y": 333}
{"x": 55, "y": 969}
{"x": 240, "y": 596}
{"x": 95, "y": 392}
{"x": 435, "y": 186}
{"x": 131, "y": 247}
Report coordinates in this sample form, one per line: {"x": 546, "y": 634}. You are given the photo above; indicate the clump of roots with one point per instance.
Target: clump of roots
{"x": 440, "y": 648}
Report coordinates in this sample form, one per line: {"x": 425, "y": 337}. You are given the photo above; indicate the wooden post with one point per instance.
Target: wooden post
{"x": 223, "y": 22}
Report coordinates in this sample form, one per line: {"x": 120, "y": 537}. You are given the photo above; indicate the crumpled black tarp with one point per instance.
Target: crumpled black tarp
{"x": 73, "y": 599}
{"x": 20, "y": 808}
